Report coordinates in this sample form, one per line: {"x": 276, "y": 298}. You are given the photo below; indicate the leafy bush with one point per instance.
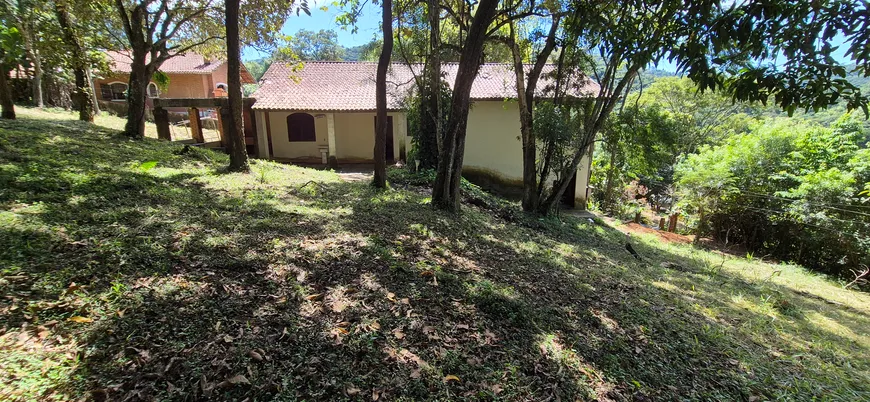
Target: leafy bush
{"x": 790, "y": 189}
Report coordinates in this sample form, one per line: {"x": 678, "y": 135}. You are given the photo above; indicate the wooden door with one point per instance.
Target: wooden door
{"x": 390, "y": 152}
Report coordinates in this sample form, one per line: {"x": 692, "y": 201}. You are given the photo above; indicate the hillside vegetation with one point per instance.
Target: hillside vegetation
{"x": 139, "y": 270}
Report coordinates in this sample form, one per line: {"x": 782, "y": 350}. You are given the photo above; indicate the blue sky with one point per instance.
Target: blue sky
{"x": 368, "y": 26}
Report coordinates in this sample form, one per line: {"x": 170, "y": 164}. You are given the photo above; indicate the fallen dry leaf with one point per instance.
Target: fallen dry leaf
{"x": 391, "y": 296}
{"x": 238, "y": 379}
{"x": 343, "y": 324}
{"x": 398, "y": 333}
{"x": 427, "y": 273}
{"x": 256, "y": 356}
{"x": 451, "y": 377}
{"x": 352, "y": 391}
{"x": 496, "y": 389}
{"x": 339, "y": 306}
{"x": 490, "y": 336}
{"x": 415, "y": 373}
{"x": 80, "y": 319}
{"x": 314, "y": 297}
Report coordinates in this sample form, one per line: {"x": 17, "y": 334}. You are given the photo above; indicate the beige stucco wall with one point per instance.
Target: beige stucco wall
{"x": 355, "y": 135}
{"x": 492, "y": 138}
{"x": 180, "y": 85}
{"x": 281, "y": 145}
{"x": 185, "y": 86}
{"x": 219, "y": 75}
{"x": 493, "y": 145}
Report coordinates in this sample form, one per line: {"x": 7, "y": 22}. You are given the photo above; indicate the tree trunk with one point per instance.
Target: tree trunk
{"x": 35, "y": 59}
{"x": 236, "y": 134}
{"x": 608, "y": 184}
{"x": 530, "y": 152}
{"x": 140, "y": 71}
{"x": 82, "y": 96}
{"x": 23, "y": 16}
{"x": 380, "y": 151}
{"x": 445, "y": 192}
{"x": 93, "y": 89}
{"x": 8, "y": 108}
{"x": 434, "y": 101}
{"x": 136, "y": 93}
{"x": 699, "y": 231}
{"x": 525, "y": 102}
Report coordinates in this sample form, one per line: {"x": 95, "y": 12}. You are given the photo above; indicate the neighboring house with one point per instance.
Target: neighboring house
{"x": 327, "y": 110}
{"x": 190, "y": 76}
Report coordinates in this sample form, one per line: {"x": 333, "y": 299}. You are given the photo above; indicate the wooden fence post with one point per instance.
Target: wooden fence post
{"x": 661, "y": 223}
{"x": 161, "y": 119}
{"x": 195, "y": 125}
{"x": 672, "y": 225}
{"x": 223, "y": 122}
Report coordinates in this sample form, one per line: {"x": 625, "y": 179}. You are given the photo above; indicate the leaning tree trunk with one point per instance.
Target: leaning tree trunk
{"x": 83, "y": 99}
{"x": 525, "y": 103}
{"x": 445, "y": 192}
{"x": 236, "y": 134}
{"x": 380, "y": 151}
{"x": 6, "y": 105}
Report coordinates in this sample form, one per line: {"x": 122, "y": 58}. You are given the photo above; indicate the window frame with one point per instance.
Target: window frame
{"x": 123, "y": 94}
{"x": 302, "y": 135}
{"x": 156, "y": 90}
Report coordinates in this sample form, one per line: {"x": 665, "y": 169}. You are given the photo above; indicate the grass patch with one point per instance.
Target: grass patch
{"x": 133, "y": 270}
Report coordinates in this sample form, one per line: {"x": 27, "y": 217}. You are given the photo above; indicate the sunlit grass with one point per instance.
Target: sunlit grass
{"x": 343, "y": 286}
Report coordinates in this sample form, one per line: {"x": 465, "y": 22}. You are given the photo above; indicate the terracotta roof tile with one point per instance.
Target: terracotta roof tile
{"x": 336, "y": 86}
{"x": 188, "y": 63}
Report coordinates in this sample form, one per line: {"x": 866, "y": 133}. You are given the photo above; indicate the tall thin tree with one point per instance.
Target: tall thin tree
{"x": 82, "y": 95}
{"x": 238, "y": 151}
{"x": 381, "y": 127}
{"x": 445, "y": 192}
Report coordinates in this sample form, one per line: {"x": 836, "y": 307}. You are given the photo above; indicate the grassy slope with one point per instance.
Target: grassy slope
{"x": 312, "y": 288}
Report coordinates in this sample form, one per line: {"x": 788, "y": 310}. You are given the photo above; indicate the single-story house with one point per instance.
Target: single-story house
{"x": 326, "y": 110}
{"x": 190, "y": 76}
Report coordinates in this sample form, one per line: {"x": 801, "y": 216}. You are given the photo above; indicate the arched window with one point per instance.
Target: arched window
{"x": 300, "y": 127}
{"x": 113, "y": 91}
{"x": 153, "y": 91}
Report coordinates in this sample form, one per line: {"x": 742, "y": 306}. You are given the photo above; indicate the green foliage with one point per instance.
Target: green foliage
{"x": 162, "y": 80}
{"x": 420, "y": 128}
{"x": 310, "y": 45}
{"x": 790, "y": 189}
{"x": 11, "y": 47}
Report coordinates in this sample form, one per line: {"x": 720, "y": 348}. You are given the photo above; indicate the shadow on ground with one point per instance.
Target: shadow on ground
{"x": 173, "y": 282}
